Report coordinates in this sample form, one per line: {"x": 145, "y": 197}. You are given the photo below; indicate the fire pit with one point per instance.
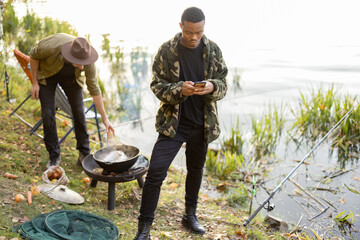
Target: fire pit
{"x": 93, "y": 170}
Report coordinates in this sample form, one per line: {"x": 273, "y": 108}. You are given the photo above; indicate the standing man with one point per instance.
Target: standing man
{"x": 68, "y": 61}
{"x": 187, "y": 113}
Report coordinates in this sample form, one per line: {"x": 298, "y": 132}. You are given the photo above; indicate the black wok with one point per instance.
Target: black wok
{"x": 131, "y": 152}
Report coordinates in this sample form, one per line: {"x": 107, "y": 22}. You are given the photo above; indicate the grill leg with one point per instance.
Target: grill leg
{"x": 140, "y": 181}
{"x": 111, "y": 196}
{"x": 93, "y": 183}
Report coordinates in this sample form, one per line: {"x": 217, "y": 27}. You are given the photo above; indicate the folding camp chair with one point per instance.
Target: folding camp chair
{"x": 24, "y": 61}
{"x": 63, "y": 108}
{"x": 62, "y": 105}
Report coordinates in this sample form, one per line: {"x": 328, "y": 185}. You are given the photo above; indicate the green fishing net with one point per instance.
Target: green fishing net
{"x": 68, "y": 224}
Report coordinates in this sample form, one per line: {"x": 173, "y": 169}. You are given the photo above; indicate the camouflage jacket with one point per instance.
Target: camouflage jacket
{"x": 167, "y": 87}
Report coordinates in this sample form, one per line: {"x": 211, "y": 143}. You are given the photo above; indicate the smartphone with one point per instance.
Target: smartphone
{"x": 199, "y": 84}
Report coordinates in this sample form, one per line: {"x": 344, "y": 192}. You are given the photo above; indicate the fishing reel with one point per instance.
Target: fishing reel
{"x": 269, "y": 207}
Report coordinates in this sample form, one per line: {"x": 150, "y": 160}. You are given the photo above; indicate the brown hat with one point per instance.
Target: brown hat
{"x": 79, "y": 52}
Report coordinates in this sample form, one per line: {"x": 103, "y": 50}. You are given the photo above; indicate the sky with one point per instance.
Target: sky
{"x": 237, "y": 26}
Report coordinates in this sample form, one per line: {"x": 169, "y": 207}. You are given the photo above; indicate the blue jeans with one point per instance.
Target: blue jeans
{"x": 74, "y": 94}
{"x": 164, "y": 152}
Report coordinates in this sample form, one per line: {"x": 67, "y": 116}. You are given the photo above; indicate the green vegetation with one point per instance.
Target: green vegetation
{"x": 25, "y": 32}
{"x": 267, "y": 132}
{"x": 314, "y": 113}
{"x": 318, "y": 112}
{"x": 345, "y": 218}
{"x": 235, "y": 142}
{"x": 344, "y": 221}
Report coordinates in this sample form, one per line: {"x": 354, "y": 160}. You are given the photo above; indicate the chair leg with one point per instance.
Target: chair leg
{"x": 63, "y": 138}
{"x": 35, "y": 127}
{"x": 97, "y": 125}
{"x": 20, "y": 105}
{"x": 96, "y": 120}
{"x": 38, "y": 124}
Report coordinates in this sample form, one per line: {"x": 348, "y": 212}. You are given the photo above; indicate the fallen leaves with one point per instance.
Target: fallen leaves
{"x": 35, "y": 190}
{"x": 167, "y": 234}
{"x": 173, "y": 185}
{"x": 204, "y": 197}
{"x": 20, "y": 219}
{"x": 218, "y": 236}
{"x": 65, "y": 123}
{"x": 241, "y": 234}
{"x": 222, "y": 186}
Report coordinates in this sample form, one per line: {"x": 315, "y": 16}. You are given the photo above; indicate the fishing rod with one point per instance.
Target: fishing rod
{"x": 295, "y": 168}
{"x": 6, "y": 80}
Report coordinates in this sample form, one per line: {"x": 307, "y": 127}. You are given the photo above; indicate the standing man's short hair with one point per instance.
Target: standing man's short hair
{"x": 192, "y": 14}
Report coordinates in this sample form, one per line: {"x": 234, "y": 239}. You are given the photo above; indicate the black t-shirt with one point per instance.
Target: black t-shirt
{"x": 67, "y": 72}
{"x": 192, "y": 69}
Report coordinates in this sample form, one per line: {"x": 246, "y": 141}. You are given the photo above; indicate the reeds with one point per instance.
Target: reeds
{"x": 319, "y": 112}
{"x": 266, "y": 132}
{"x": 236, "y": 141}
{"x": 348, "y": 132}
{"x": 223, "y": 164}
{"x": 314, "y": 113}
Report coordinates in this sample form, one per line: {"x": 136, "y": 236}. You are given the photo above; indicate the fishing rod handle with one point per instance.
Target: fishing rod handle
{"x": 259, "y": 208}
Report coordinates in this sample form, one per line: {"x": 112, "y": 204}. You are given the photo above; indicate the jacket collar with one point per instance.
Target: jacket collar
{"x": 176, "y": 40}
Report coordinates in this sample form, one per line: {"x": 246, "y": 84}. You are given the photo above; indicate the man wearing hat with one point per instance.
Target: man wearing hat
{"x": 68, "y": 61}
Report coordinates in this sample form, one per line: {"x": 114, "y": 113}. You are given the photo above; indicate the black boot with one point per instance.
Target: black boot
{"x": 190, "y": 221}
{"x": 143, "y": 231}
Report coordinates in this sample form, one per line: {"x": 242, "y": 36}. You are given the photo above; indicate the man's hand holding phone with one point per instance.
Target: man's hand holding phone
{"x": 198, "y": 88}
{"x": 203, "y": 87}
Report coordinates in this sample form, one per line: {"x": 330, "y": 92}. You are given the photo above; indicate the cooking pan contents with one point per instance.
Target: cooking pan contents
{"x": 115, "y": 156}
{"x": 98, "y": 170}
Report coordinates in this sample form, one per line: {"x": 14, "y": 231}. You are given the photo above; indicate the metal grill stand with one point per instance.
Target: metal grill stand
{"x": 89, "y": 165}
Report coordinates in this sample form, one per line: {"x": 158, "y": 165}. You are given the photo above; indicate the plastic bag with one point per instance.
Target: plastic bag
{"x": 55, "y": 175}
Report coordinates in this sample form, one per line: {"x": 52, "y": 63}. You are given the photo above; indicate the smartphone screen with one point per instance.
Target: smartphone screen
{"x": 199, "y": 84}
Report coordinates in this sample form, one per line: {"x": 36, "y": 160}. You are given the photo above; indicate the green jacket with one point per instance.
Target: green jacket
{"x": 167, "y": 87}
{"x": 48, "y": 53}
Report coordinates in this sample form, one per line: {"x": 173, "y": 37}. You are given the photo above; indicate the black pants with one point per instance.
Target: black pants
{"x": 47, "y": 99}
{"x": 163, "y": 154}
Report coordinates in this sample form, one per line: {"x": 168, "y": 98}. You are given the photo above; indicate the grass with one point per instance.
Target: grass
{"x": 26, "y": 157}
{"x": 266, "y": 132}
{"x": 223, "y": 164}
{"x": 235, "y": 142}
{"x": 314, "y": 112}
